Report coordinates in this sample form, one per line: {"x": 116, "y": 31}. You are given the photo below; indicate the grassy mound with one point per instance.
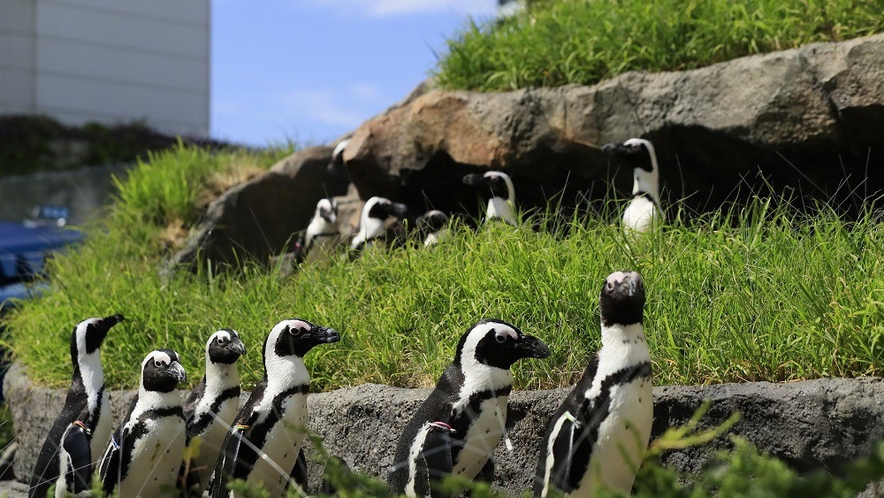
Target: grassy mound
{"x": 754, "y": 294}
{"x": 584, "y": 41}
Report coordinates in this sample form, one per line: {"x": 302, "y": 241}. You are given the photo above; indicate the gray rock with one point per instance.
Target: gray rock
{"x": 810, "y": 424}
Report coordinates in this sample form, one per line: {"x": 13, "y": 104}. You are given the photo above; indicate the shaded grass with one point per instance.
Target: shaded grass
{"x": 584, "y": 41}
{"x": 757, "y": 293}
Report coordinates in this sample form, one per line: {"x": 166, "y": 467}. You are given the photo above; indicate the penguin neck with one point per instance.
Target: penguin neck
{"x": 622, "y": 346}
{"x": 153, "y": 400}
{"x": 285, "y": 372}
{"x": 647, "y": 182}
{"x": 318, "y": 226}
{"x": 89, "y": 372}
{"x": 220, "y": 376}
{"x": 498, "y": 207}
{"x": 370, "y": 228}
{"x": 480, "y": 377}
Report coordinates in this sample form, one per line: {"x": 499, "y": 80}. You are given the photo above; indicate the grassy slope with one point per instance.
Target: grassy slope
{"x": 771, "y": 297}
{"x": 580, "y": 41}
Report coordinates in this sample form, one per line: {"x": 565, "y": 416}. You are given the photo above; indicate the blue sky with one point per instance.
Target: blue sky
{"x": 312, "y": 70}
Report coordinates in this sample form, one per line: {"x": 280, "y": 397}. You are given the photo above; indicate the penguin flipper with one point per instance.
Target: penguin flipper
{"x": 235, "y": 462}
{"x": 299, "y": 471}
{"x": 435, "y": 462}
{"x": 75, "y": 443}
{"x": 563, "y": 451}
{"x": 109, "y": 467}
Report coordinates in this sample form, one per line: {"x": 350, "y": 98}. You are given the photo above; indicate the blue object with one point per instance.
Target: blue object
{"x": 23, "y": 252}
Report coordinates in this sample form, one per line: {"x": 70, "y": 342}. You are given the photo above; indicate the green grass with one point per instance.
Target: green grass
{"x": 579, "y": 41}
{"x": 756, "y": 293}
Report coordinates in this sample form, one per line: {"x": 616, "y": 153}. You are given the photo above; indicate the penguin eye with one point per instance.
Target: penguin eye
{"x": 296, "y": 332}
{"x": 609, "y": 285}
{"x": 222, "y": 341}
{"x": 500, "y": 338}
{"x": 157, "y": 363}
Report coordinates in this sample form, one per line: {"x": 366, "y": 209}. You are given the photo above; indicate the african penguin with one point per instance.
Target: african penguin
{"x": 322, "y": 232}
{"x": 598, "y": 437}
{"x": 77, "y": 437}
{"x": 144, "y": 455}
{"x": 338, "y": 154}
{"x": 211, "y": 406}
{"x": 498, "y": 187}
{"x": 432, "y": 227}
{"x": 372, "y": 227}
{"x": 643, "y": 211}
{"x": 267, "y": 434}
{"x": 458, "y": 426}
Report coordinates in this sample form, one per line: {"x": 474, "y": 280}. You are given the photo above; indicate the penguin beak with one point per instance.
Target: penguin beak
{"x": 178, "y": 371}
{"x": 237, "y": 347}
{"x": 474, "y": 179}
{"x": 532, "y": 347}
{"x": 103, "y": 326}
{"x": 325, "y": 335}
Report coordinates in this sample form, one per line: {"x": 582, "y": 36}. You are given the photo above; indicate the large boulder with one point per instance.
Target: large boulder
{"x": 811, "y": 424}
{"x": 806, "y": 118}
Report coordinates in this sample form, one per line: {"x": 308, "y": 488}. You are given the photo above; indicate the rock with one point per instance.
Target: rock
{"x": 258, "y": 218}
{"x": 802, "y": 118}
{"x": 811, "y": 424}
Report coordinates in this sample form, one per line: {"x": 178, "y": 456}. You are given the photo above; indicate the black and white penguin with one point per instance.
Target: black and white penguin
{"x": 458, "y": 426}
{"x": 372, "y": 222}
{"x": 210, "y": 408}
{"x": 266, "y": 438}
{"x": 644, "y": 210}
{"x": 431, "y": 226}
{"x": 322, "y": 233}
{"x": 498, "y": 187}
{"x": 599, "y": 435}
{"x": 79, "y": 434}
{"x": 337, "y": 160}
{"x": 144, "y": 455}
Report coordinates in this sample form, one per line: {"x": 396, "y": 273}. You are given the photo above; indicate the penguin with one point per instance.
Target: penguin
{"x": 337, "y": 161}
{"x": 209, "y": 409}
{"x": 265, "y": 442}
{"x": 432, "y": 227}
{"x": 144, "y": 455}
{"x": 457, "y": 427}
{"x": 322, "y": 233}
{"x": 598, "y": 436}
{"x": 372, "y": 228}
{"x": 501, "y": 204}
{"x": 643, "y": 210}
{"x": 81, "y": 430}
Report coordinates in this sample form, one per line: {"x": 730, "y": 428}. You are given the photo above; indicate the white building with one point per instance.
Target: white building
{"x": 111, "y": 61}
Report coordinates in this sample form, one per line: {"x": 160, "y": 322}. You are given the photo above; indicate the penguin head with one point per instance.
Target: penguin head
{"x": 337, "y": 160}
{"x": 295, "y": 337}
{"x": 639, "y": 154}
{"x": 225, "y": 346}
{"x": 492, "y": 184}
{"x": 90, "y": 333}
{"x": 622, "y": 299}
{"x": 327, "y": 209}
{"x": 498, "y": 344}
{"x": 431, "y": 221}
{"x": 381, "y": 208}
{"x": 161, "y": 371}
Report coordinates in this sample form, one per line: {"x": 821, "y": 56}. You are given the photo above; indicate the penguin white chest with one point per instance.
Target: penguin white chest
{"x": 212, "y": 439}
{"x": 640, "y": 214}
{"x": 500, "y": 208}
{"x": 481, "y": 437}
{"x": 103, "y": 429}
{"x": 156, "y": 458}
{"x": 273, "y": 469}
{"x": 622, "y": 439}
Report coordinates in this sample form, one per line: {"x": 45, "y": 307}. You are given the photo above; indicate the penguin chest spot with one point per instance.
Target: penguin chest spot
{"x": 156, "y": 458}
{"x": 281, "y": 447}
{"x": 623, "y": 436}
{"x": 482, "y": 436}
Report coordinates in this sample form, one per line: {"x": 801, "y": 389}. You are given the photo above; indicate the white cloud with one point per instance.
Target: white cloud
{"x": 392, "y": 8}
{"x": 345, "y": 108}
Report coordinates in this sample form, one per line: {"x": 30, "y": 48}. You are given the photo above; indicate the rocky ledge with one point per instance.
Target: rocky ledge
{"x": 810, "y": 424}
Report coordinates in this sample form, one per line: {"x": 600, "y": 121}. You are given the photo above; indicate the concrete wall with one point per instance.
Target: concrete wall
{"x": 108, "y": 61}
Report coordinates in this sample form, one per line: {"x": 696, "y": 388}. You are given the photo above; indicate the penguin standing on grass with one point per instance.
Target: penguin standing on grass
{"x": 643, "y": 211}
{"x": 498, "y": 187}
{"x": 265, "y": 442}
{"x": 372, "y": 222}
{"x": 458, "y": 426}
{"x": 322, "y": 234}
{"x": 210, "y": 408}
{"x": 79, "y": 434}
{"x": 431, "y": 226}
{"x": 599, "y": 435}
{"x": 143, "y": 457}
